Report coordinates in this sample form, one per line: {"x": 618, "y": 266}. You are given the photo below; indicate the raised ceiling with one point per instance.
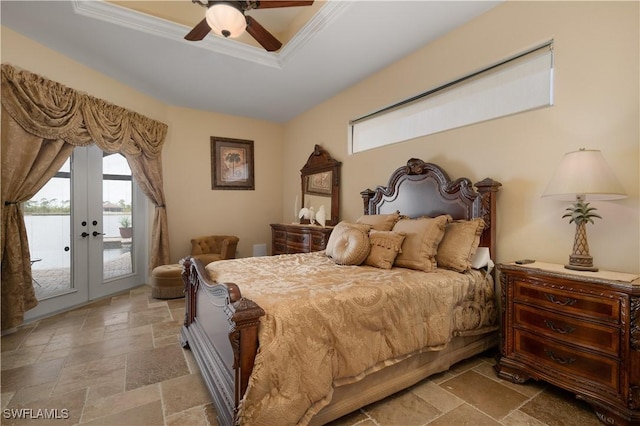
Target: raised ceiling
{"x": 327, "y": 47}
{"x": 283, "y": 23}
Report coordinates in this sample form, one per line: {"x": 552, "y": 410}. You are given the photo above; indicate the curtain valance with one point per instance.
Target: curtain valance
{"x": 53, "y": 111}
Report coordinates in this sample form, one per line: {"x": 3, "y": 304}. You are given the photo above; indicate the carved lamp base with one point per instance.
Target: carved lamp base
{"x": 579, "y": 262}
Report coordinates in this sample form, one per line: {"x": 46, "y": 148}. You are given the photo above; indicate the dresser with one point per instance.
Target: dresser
{"x": 579, "y": 331}
{"x": 294, "y": 238}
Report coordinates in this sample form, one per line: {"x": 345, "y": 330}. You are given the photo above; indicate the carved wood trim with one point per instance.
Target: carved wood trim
{"x": 321, "y": 161}
{"x": 504, "y": 337}
{"x": 477, "y": 204}
{"x": 190, "y": 280}
{"x": 488, "y": 189}
{"x": 634, "y": 397}
{"x": 319, "y": 158}
{"x": 460, "y": 188}
{"x": 634, "y": 323}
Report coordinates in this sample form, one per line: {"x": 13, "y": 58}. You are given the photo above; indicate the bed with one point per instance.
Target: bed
{"x": 307, "y": 338}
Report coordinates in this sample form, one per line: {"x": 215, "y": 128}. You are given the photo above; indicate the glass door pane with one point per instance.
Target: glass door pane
{"x": 117, "y": 217}
{"x": 48, "y": 222}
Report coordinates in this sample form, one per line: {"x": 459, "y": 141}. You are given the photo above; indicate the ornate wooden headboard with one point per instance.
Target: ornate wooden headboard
{"x": 424, "y": 189}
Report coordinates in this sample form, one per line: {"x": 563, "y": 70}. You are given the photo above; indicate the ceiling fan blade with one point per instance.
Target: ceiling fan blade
{"x": 198, "y": 32}
{"x": 264, "y": 4}
{"x": 262, "y": 36}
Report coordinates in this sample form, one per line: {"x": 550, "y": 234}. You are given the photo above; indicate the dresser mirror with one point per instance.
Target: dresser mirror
{"x": 320, "y": 178}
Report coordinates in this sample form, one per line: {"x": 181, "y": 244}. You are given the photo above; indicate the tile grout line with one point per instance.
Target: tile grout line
{"x": 162, "y": 404}
{"x": 86, "y": 394}
{"x": 528, "y": 400}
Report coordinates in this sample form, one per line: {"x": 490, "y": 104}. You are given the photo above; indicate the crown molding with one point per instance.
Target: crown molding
{"x": 330, "y": 11}
{"x": 118, "y": 15}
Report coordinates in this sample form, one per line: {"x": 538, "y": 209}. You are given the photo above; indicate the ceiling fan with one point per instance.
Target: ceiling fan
{"x": 227, "y": 18}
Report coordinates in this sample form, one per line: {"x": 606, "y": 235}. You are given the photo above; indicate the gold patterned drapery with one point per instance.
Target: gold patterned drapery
{"x": 42, "y": 121}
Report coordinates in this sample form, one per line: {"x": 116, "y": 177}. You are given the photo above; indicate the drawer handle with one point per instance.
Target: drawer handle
{"x": 567, "y": 302}
{"x": 558, "y": 359}
{"x": 560, "y": 330}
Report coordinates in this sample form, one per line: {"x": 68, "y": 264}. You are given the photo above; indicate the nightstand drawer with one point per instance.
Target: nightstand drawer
{"x": 575, "y": 364}
{"x": 570, "y": 302}
{"x": 561, "y": 327}
{"x": 280, "y": 235}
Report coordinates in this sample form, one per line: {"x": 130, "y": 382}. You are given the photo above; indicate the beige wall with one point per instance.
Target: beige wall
{"x": 596, "y": 106}
{"x": 192, "y": 207}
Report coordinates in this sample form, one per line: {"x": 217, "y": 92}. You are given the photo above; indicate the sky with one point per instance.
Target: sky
{"x": 113, "y": 191}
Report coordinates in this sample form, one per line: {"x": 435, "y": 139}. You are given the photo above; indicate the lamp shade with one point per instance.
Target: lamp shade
{"x": 586, "y": 174}
{"x": 226, "y": 20}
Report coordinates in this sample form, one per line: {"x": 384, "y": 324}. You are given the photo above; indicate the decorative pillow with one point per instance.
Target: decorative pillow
{"x": 351, "y": 247}
{"x": 337, "y": 232}
{"x": 460, "y": 241}
{"x": 380, "y": 222}
{"x": 422, "y": 236}
{"x": 385, "y": 246}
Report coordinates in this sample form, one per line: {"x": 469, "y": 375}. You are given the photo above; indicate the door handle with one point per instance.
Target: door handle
{"x": 96, "y": 233}
{"x": 84, "y": 234}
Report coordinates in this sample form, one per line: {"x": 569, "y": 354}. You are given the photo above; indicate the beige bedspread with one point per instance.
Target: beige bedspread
{"x": 328, "y": 325}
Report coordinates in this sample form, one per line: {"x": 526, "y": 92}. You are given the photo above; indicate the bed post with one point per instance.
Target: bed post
{"x": 244, "y": 341}
{"x": 190, "y": 288}
{"x": 367, "y": 195}
{"x": 488, "y": 189}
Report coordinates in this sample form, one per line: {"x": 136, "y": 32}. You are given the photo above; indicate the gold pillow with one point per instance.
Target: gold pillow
{"x": 380, "y": 222}
{"x": 385, "y": 246}
{"x": 337, "y": 232}
{"x": 422, "y": 236}
{"x": 460, "y": 241}
{"x": 351, "y": 247}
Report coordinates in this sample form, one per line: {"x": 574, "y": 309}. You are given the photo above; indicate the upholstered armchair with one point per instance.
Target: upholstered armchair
{"x": 214, "y": 247}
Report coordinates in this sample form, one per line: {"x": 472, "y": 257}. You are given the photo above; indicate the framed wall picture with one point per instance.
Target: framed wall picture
{"x": 231, "y": 164}
{"x": 319, "y": 183}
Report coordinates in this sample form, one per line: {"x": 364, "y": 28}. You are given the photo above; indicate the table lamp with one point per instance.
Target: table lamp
{"x": 582, "y": 176}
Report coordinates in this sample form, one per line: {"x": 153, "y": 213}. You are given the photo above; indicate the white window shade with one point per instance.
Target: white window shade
{"x": 515, "y": 85}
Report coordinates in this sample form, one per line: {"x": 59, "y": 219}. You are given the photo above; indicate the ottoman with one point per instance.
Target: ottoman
{"x": 166, "y": 282}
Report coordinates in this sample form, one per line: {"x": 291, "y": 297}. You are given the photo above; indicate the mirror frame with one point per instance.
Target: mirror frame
{"x": 320, "y": 161}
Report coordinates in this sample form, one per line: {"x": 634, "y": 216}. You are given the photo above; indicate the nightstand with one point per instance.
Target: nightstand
{"x": 294, "y": 238}
{"x": 579, "y": 331}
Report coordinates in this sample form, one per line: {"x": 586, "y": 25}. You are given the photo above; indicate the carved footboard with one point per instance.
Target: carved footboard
{"x": 221, "y": 329}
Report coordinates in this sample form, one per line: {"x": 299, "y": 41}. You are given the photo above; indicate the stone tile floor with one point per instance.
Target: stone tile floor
{"x": 118, "y": 361}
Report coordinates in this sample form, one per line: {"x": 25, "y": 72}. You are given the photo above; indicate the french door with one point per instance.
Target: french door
{"x": 86, "y": 230}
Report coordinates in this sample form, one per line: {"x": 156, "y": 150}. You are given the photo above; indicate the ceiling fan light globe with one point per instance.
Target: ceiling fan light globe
{"x": 226, "y": 20}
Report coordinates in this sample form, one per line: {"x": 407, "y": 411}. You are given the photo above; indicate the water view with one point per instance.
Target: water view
{"x": 49, "y": 239}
